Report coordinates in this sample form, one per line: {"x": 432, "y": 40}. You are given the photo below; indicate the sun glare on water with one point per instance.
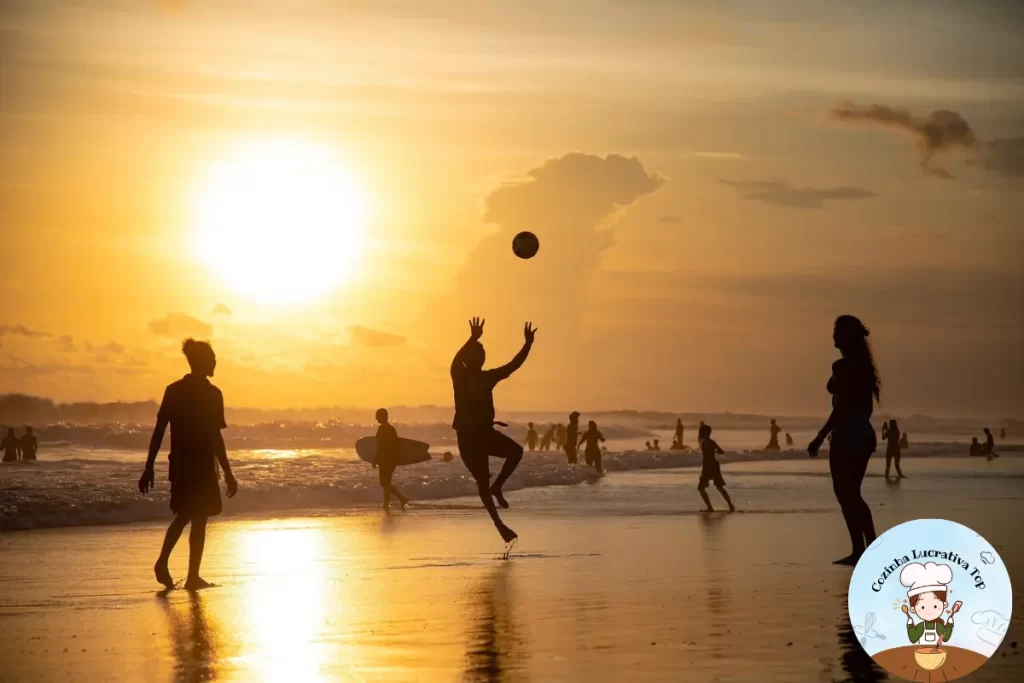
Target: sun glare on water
{"x": 281, "y": 222}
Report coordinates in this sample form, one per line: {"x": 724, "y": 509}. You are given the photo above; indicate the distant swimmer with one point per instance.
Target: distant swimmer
{"x": 11, "y": 446}
{"x": 531, "y": 437}
{"x": 891, "y": 434}
{"x": 560, "y": 436}
{"x": 904, "y": 442}
{"x": 549, "y": 436}
{"x": 647, "y": 446}
{"x": 773, "y": 442}
{"x": 976, "y": 449}
{"x": 593, "y": 440}
{"x": 679, "y": 431}
{"x": 29, "y": 445}
{"x": 1002, "y": 434}
{"x": 571, "y": 434}
{"x": 474, "y": 419}
{"x": 710, "y": 470}
{"x": 789, "y": 439}
{"x": 194, "y": 408}
{"x": 990, "y": 444}
{"x": 387, "y": 459}
{"x": 676, "y": 446}
{"x": 655, "y": 446}
{"x": 855, "y": 387}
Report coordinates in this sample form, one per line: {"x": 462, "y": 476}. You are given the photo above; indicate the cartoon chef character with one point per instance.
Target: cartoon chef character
{"x": 927, "y": 586}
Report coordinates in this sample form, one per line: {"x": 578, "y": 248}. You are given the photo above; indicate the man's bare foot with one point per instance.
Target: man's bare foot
{"x": 196, "y": 584}
{"x": 163, "y": 575}
{"x": 507, "y": 534}
{"x": 499, "y": 498}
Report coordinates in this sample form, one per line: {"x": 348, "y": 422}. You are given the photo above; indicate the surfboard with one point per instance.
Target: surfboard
{"x": 409, "y": 452}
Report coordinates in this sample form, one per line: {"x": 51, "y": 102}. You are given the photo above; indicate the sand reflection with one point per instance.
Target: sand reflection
{"x": 194, "y": 639}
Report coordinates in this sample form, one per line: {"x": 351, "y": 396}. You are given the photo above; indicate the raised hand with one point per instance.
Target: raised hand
{"x": 528, "y": 332}
{"x": 147, "y": 480}
{"x": 476, "y": 328}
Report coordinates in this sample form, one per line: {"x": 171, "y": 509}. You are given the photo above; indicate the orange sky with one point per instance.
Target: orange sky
{"x": 704, "y": 206}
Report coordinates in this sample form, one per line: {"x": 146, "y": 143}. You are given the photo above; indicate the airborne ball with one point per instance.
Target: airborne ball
{"x": 525, "y": 245}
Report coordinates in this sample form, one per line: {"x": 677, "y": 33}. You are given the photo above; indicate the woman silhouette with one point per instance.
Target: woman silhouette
{"x": 891, "y": 434}
{"x": 855, "y": 387}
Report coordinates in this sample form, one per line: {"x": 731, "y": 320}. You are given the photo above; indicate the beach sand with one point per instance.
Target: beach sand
{"x": 622, "y": 578}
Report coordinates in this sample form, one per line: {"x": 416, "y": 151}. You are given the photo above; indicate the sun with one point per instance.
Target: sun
{"x": 281, "y": 222}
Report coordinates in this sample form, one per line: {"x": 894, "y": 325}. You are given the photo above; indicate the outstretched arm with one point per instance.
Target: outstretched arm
{"x": 476, "y": 330}
{"x": 517, "y": 362}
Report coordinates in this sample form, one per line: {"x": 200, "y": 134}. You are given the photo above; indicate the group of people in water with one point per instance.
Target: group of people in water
{"x": 16, "y": 449}
{"x": 569, "y": 440}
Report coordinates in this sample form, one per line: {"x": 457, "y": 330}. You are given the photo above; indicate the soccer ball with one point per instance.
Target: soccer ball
{"x": 525, "y": 245}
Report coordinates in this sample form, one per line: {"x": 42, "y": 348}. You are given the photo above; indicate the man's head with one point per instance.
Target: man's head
{"x": 382, "y": 415}
{"x": 474, "y": 356}
{"x": 200, "y": 357}
{"x": 28, "y": 430}
{"x": 929, "y": 605}
{"x": 530, "y": 425}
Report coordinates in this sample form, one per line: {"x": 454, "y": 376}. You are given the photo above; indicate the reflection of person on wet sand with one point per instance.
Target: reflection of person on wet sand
{"x": 891, "y": 434}
{"x": 854, "y": 386}
{"x": 710, "y": 469}
{"x": 531, "y": 437}
{"x": 773, "y": 441}
{"x": 194, "y": 408}
{"x": 193, "y": 639}
{"x": 386, "y": 460}
{"x": 592, "y": 438}
{"x": 491, "y": 651}
{"x": 474, "y": 419}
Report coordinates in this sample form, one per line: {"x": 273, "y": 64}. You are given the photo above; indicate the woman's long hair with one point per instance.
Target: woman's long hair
{"x": 852, "y": 338}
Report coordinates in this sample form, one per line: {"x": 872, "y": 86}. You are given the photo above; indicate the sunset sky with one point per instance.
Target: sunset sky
{"x": 712, "y": 182}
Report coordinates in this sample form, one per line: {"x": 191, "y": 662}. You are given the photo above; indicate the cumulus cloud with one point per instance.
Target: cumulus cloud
{"x": 366, "y": 336}
{"x": 781, "y": 193}
{"x": 937, "y": 133}
{"x": 1004, "y": 156}
{"x": 221, "y": 309}
{"x": 178, "y": 325}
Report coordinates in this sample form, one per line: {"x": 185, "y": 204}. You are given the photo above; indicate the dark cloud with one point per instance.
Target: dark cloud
{"x": 21, "y": 331}
{"x": 178, "y": 325}
{"x": 1005, "y": 157}
{"x": 939, "y": 132}
{"x": 375, "y": 338}
{"x": 673, "y": 220}
{"x": 781, "y": 193}
{"x": 221, "y": 309}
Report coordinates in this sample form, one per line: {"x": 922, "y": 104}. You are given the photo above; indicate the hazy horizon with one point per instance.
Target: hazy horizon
{"x": 328, "y": 191}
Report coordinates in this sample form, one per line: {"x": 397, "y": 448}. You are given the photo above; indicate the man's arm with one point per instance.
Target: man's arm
{"x": 476, "y": 330}
{"x": 146, "y": 481}
{"x": 220, "y": 450}
{"x": 517, "y": 361}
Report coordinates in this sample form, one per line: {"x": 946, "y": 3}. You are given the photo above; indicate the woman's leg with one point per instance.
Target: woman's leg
{"x": 899, "y": 472}
{"x": 865, "y": 520}
{"x": 888, "y": 462}
{"x": 842, "y": 485}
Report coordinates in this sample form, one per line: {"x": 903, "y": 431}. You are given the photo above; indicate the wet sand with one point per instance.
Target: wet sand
{"x": 607, "y": 583}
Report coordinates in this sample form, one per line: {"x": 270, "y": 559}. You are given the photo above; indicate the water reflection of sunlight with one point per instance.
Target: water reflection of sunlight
{"x": 286, "y": 599}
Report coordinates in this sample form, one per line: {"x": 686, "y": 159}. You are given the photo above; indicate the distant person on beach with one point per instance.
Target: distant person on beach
{"x": 11, "y": 446}
{"x": 571, "y": 432}
{"x": 655, "y": 446}
{"x": 531, "y": 437}
{"x": 1002, "y": 434}
{"x": 679, "y": 431}
{"x": 976, "y": 449}
{"x": 195, "y": 410}
{"x": 29, "y": 445}
{"x": 474, "y": 419}
{"x": 854, "y": 386}
{"x": 647, "y": 445}
{"x": 593, "y": 439}
{"x": 789, "y": 439}
{"x": 549, "y": 436}
{"x": 904, "y": 442}
{"x": 710, "y": 470}
{"x": 891, "y": 434}
{"x": 560, "y": 436}
{"x": 773, "y": 441}
{"x": 676, "y": 446}
{"x": 700, "y": 430}
{"x": 990, "y": 445}
{"x": 387, "y": 459}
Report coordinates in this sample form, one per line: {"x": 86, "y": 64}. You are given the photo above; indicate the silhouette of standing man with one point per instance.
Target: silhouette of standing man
{"x": 474, "y": 418}
{"x": 29, "y": 445}
{"x": 195, "y": 410}
{"x": 11, "y": 446}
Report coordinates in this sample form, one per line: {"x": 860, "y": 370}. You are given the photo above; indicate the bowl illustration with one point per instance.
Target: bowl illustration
{"x": 930, "y": 658}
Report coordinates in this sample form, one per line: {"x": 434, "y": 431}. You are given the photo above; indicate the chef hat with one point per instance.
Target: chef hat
{"x": 925, "y": 578}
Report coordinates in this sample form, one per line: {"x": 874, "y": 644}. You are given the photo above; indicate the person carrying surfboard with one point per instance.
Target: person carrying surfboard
{"x": 387, "y": 459}
{"x": 474, "y": 419}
